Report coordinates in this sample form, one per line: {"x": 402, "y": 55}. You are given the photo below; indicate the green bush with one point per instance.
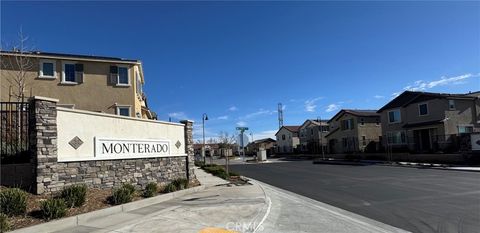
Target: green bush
{"x": 130, "y": 188}
{"x": 74, "y": 195}
{"x": 217, "y": 170}
{"x": 171, "y": 187}
{"x": 150, "y": 190}
{"x": 199, "y": 163}
{"x": 175, "y": 185}
{"x": 4, "y": 224}
{"x": 53, "y": 208}
{"x": 121, "y": 195}
{"x": 13, "y": 201}
{"x": 180, "y": 183}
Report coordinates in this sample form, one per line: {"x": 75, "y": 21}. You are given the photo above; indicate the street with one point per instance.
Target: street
{"x": 417, "y": 200}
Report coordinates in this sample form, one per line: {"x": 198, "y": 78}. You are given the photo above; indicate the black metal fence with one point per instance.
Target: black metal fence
{"x": 14, "y": 132}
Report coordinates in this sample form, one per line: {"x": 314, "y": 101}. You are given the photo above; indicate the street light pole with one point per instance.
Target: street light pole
{"x": 321, "y": 137}
{"x": 204, "y": 118}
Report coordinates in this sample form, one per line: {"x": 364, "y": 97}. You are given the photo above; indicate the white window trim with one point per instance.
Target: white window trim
{"x": 394, "y": 122}
{"x": 40, "y": 69}
{"x": 124, "y": 106}
{"x": 63, "y": 73}
{"x": 128, "y": 76}
{"x": 428, "y": 111}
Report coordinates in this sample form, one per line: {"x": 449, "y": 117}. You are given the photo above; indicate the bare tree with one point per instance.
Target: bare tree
{"x": 226, "y": 144}
{"x": 17, "y": 67}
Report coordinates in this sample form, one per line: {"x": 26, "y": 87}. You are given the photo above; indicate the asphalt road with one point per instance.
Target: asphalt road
{"x": 416, "y": 200}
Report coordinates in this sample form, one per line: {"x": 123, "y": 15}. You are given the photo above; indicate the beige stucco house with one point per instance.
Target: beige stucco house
{"x": 267, "y": 144}
{"x": 354, "y": 131}
{"x": 287, "y": 139}
{"x": 429, "y": 122}
{"x": 312, "y": 136}
{"x": 94, "y": 83}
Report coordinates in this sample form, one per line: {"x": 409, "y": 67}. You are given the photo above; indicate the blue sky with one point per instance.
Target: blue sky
{"x": 236, "y": 61}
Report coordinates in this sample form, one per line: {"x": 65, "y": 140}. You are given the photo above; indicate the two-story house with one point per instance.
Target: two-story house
{"x": 312, "y": 136}
{"x": 93, "y": 83}
{"x": 429, "y": 122}
{"x": 354, "y": 131}
{"x": 287, "y": 139}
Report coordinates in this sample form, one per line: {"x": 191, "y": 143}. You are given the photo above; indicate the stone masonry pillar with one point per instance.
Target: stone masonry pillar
{"x": 189, "y": 149}
{"x": 43, "y": 144}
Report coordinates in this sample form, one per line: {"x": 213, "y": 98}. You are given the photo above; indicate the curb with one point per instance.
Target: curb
{"x": 77, "y": 220}
{"x": 396, "y": 164}
{"x": 358, "y": 219}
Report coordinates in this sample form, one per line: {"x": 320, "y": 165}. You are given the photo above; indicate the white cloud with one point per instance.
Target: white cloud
{"x": 178, "y": 115}
{"x": 241, "y": 123}
{"x": 233, "y": 109}
{"x": 421, "y": 85}
{"x": 264, "y": 134}
{"x": 332, "y": 107}
{"x": 310, "y": 105}
{"x": 222, "y": 117}
{"x": 378, "y": 96}
{"x": 258, "y": 113}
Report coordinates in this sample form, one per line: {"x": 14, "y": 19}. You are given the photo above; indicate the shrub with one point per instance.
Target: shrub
{"x": 150, "y": 190}
{"x": 175, "y": 185}
{"x": 180, "y": 183}
{"x": 171, "y": 187}
{"x": 130, "y": 188}
{"x": 4, "y": 224}
{"x": 74, "y": 195}
{"x": 121, "y": 195}
{"x": 53, "y": 208}
{"x": 13, "y": 201}
{"x": 199, "y": 163}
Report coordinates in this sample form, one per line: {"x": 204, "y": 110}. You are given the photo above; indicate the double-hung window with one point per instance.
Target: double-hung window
{"x": 123, "y": 110}
{"x": 451, "y": 104}
{"x": 396, "y": 137}
{"x": 423, "y": 109}
{"x": 47, "y": 69}
{"x": 119, "y": 76}
{"x": 72, "y": 73}
{"x": 394, "y": 116}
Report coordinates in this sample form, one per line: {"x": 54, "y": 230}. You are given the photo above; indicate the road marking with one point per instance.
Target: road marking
{"x": 266, "y": 214}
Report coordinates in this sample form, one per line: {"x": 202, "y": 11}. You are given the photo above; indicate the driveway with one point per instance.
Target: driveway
{"x": 417, "y": 200}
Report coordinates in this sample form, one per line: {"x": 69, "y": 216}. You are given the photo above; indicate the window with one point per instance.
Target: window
{"x": 451, "y": 104}
{"x": 47, "y": 69}
{"x": 423, "y": 109}
{"x": 377, "y": 121}
{"x": 362, "y": 121}
{"x": 465, "y": 129}
{"x": 347, "y": 124}
{"x": 364, "y": 140}
{"x": 123, "y": 110}
{"x": 396, "y": 137}
{"x": 394, "y": 116}
{"x": 283, "y": 137}
{"x": 311, "y": 131}
{"x": 72, "y": 73}
{"x": 123, "y": 76}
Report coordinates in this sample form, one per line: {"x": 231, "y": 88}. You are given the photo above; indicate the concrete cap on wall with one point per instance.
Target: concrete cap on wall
{"x": 186, "y": 121}
{"x": 44, "y": 98}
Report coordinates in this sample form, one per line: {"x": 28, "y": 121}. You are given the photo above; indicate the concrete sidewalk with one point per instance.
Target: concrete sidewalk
{"x": 250, "y": 208}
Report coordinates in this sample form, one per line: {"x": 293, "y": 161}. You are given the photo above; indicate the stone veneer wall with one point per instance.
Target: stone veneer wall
{"x": 52, "y": 176}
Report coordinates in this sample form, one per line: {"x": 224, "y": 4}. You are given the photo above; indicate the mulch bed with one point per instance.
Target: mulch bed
{"x": 96, "y": 199}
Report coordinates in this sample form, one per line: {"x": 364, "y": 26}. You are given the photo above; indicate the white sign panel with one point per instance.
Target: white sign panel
{"x": 475, "y": 141}
{"x": 107, "y": 148}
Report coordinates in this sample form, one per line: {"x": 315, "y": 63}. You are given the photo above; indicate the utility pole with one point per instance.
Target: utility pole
{"x": 204, "y": 118}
